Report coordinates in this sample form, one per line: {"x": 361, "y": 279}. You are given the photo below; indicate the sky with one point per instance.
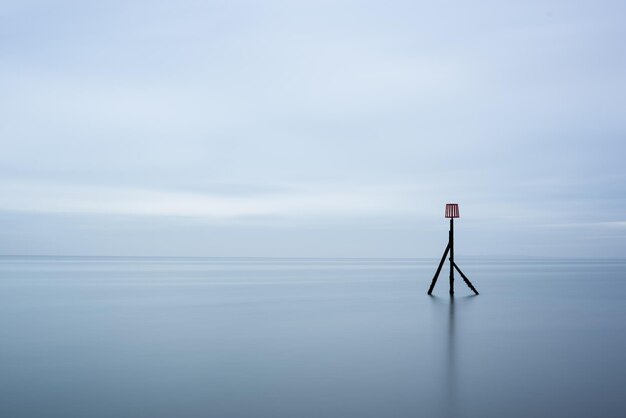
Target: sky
{"x": 312, "y": 128}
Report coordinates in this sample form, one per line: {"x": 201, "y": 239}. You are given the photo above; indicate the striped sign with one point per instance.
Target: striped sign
{"x": 452, "y": 210}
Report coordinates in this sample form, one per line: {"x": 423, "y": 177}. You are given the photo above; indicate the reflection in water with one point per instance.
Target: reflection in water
{"x": 451, "y": 378}
{"x": 449, "y": 397}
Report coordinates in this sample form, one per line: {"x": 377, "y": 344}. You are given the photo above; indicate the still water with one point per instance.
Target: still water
{"x": 193, "y": 337}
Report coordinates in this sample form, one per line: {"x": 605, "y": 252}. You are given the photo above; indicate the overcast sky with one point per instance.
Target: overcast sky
{"x": 312, "y": 128}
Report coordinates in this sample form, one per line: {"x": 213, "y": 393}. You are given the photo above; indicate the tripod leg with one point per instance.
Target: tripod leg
{"x": 443, "y": 259}
{"x": 467, "y": 282}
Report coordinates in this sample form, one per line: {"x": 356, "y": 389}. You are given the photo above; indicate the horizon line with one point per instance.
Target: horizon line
{"x": 490, "y": 256}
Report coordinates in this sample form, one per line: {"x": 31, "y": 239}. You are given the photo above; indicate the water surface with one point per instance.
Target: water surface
{"x": 193, "y": 337}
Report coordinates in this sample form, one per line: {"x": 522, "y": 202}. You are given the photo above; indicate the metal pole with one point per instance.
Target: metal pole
{"x": 467, "y": 282}
{"x": 443, "y": 260}
{"x": 451, "y": 256}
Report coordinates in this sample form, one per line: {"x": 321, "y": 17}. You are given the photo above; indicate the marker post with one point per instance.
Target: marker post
{"x": 452, "y": 211}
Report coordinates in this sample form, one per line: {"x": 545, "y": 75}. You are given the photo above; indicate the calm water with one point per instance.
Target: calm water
{"x": 172, "y": 337}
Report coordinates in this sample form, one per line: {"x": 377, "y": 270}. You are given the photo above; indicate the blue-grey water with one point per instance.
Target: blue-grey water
{"x": 190, "y": 337}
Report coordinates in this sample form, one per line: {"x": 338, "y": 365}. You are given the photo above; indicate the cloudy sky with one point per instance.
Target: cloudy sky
{"x": 312, "y": 128}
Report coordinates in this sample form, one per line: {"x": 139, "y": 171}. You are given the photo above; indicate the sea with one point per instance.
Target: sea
{"x": 134, "y": 337}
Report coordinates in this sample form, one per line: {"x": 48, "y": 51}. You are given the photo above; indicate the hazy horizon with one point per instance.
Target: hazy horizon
{"x": 496, "y": 258}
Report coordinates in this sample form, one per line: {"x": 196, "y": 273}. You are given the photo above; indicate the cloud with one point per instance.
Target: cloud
{"x": 303, "y": 202}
